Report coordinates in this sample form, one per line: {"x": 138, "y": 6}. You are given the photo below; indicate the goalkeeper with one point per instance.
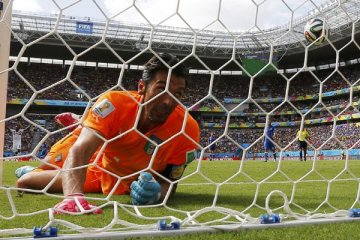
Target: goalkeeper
{"x": 114, "y": 117}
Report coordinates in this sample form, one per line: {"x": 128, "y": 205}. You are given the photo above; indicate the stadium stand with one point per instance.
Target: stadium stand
{"x": 210, "y": 114}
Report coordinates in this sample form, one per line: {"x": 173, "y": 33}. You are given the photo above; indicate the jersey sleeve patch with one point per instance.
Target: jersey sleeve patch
{"x": 103, "y": 108}
{"x": 177, "y": 171}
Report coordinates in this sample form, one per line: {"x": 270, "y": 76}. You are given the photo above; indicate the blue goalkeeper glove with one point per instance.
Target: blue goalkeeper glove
{"x": 146, "y": 190}
{"x": 23, "y": 170}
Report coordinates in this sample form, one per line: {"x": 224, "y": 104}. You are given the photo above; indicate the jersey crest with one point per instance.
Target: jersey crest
{"x": 149, "y": 147}
{"x": 58, "y": 157}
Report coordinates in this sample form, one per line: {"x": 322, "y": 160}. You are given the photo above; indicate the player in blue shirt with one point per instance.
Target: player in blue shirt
{"x": 268, "y": 145}
{"x": 43, "y": 150}
{"x": 212, "y": 147}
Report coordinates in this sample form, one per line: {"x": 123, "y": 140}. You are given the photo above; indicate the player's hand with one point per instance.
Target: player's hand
{"x": 75, "y": 203}
{"x": 146, "y": 190}
{"x": 67, "y": 119}
{"x": 23, "y": 170}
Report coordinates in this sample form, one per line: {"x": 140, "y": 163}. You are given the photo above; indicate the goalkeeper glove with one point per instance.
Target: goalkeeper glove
{"x": 146, "y": 190}
{"x": 23, "y": 170}
{"x": 76, "y": 203}
{"x": 67, "y": 119}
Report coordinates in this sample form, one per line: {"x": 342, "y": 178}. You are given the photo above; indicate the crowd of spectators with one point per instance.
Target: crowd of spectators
{"x": 323, "y": 137}
{"x": 93, "y": 81}
{"x": 326, "y": 137}
{"x": 301, "y": 105}
{"x": 52, "y": 84}
{"x": 55, "y": 82}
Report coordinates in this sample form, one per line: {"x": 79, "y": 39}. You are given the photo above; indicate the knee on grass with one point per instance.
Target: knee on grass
{"x": 30, "y": 180}
{"x": 24, "y": 181}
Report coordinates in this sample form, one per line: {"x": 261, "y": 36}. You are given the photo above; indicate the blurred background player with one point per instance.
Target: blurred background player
{"x": 43, "y": 150}
{"x": 116, "y": 112}
{"x": 211, "y": 142}
{"x": 342, "y": 155}
{"x": 303, "y": 137}
{"x": 16, "y": 135}
{"x": 268, "y": 144}
{"x": 238, "y": 153}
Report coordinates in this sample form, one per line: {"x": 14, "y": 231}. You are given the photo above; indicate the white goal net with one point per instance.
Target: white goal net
{"x": 254, "y": 86}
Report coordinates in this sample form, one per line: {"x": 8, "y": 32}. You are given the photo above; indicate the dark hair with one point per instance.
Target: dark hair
{"x": 154, "y": 65}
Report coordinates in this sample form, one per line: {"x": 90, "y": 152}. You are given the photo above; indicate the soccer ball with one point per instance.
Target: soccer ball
{"x": 315, "y": 31}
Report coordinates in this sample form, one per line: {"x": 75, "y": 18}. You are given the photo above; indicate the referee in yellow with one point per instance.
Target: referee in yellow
{"x": 303, "y": 136}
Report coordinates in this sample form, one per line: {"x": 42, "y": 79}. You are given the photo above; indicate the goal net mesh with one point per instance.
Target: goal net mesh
{"x": 242, "y": 77}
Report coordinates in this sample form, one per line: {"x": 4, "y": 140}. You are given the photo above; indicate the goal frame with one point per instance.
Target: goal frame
{"x": 5, "y": 35}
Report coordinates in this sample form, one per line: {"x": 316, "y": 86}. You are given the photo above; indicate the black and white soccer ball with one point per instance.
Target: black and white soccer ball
{"x": 315, "y": 31}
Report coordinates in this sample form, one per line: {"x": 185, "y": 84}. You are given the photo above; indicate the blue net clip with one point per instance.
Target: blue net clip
{"x": 354, "y": 212}
{"x": 40, "y": 232}
{"x": 269, "y": 218}
{"x": 174, "y": 225}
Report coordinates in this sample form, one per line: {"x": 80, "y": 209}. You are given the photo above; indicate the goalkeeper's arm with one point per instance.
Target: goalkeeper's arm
{"x": 165, "y": 185}
{"x": 79, "y": 155}
{"x": 172, "y": 173}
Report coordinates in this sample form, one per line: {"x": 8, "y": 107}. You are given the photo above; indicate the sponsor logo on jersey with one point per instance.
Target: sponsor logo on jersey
{"x": 103, "y": 108}
{"x": 150, "y": 147}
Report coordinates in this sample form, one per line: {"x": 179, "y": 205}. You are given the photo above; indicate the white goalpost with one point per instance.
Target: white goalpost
{"x": 5, "y": 17}
{"x": 249, "y": 195}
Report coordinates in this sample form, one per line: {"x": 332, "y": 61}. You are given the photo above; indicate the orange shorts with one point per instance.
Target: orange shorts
{"x": 59, "y": 152}
{"x": 57, "y": 156}
{"x": 93, "y": 181}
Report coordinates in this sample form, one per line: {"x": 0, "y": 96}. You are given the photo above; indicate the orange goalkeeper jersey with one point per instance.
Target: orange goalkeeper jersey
{"x": 114, "y": 116}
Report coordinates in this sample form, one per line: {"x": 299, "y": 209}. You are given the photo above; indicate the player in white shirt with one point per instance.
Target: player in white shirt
{"x": 17, "y": 134}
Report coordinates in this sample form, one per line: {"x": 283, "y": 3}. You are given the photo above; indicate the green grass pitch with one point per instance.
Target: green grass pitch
{"x": 328, "y": 184}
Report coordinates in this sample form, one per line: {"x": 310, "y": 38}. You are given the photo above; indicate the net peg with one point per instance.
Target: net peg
{"x": 174, "y": 225}
{"x": 269, "y": 218}
{"x": 40, "y": 232}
